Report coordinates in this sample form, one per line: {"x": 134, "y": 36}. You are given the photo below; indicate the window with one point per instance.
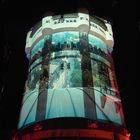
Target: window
{"x": 62, "y": 66}
{"x": 94, "y": 25}
{"x": 47, "y": 21}
{"x": 68, "y": 66}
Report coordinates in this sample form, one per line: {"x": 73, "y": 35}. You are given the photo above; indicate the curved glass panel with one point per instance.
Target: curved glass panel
{"x": 70, "y": 75}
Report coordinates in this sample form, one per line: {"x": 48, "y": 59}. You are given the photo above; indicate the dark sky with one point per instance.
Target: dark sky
{"x": 17, "y": 17}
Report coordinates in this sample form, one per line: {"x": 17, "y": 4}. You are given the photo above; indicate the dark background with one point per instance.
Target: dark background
{"x": 17, "y": 17}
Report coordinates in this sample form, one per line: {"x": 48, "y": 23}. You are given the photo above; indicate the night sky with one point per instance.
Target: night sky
{"x": 17, "y": 17}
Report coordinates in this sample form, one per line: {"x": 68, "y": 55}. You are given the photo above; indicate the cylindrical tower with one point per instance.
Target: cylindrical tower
{"x": 71, "y": 90}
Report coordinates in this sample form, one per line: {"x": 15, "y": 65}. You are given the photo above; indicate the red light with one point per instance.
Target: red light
{"x": 38, "y": 127}
{"x": 93, "y": 125}
{"x": 128, "y": 134}
{"x": 15, "y": 138}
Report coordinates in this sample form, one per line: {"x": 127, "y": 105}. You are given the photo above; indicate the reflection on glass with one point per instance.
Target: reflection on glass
{"x": 100, "y": 74}
{"x": 65, "y": 73}
{"x": 37, "y": 48}
{"x": 73, "y": 72}
{"x": 34, "y": 78}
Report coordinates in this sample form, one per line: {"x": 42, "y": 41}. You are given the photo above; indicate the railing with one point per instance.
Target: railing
{"x": 98, "y": 21}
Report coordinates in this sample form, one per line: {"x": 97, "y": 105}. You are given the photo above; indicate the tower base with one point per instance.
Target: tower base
{"x": 71, "y": 129}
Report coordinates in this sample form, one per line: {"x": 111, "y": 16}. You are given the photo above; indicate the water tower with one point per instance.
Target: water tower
{"x": 71, "y": 90}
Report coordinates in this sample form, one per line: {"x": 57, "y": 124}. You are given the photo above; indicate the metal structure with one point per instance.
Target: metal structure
{"x": 71, "y": 90}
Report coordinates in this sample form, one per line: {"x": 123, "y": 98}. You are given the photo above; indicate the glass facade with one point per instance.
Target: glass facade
{"x": 70, "y": 75}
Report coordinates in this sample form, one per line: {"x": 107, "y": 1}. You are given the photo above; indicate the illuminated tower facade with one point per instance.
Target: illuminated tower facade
{"x": 71, "y": 90}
